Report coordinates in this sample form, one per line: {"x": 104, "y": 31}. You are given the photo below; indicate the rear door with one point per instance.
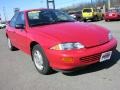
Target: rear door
{"x": 11, "y": 29}
{"x": 21, "y": 33}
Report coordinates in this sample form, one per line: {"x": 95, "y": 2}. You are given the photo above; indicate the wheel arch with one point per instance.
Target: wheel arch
{"x": 6, "y": 35}
{"x": 32, "y": 44}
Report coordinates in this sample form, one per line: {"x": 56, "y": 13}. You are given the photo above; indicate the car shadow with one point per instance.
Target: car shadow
{"x": 15, "y": 49}
{"x": 97, "y": 67}
{"x": 114, "y": 20}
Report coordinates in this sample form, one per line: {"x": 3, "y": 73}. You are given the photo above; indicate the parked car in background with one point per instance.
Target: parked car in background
{"x": 76, "y": 15}
{"x": 73, "y": 15}
{"x": 91, "y": 14}
{"x": 58, "y": 42}
{"x": 112, "y": 14}
{"x": 2, "y": 25}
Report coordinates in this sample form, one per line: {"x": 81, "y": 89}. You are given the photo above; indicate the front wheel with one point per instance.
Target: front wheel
{"x": 40, "y": 61}
{"x": 107, "y": 20}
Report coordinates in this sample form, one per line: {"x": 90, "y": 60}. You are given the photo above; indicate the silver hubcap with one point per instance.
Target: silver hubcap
{"x": 38, "y": 60}
{"x": 9, "y": 43}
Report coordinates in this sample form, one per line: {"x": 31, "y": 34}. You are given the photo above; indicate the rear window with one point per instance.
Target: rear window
{"x": 87, "y": 10}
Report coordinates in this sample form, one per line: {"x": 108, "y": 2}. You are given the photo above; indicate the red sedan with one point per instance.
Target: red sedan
{"x": 56, "y": 41}
{"x": 113, "y": 14}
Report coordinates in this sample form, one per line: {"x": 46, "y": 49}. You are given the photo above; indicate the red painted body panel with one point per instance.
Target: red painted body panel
{"x": 93, "y": 37}
{"x": 55, "y": 57}
{"x": 87, "y": 34}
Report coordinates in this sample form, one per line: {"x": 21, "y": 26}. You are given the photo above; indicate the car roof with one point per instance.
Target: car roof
{"x": 35, "y": 9}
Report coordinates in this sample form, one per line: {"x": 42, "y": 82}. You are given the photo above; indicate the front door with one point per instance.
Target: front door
{"x": 11, "y": 29}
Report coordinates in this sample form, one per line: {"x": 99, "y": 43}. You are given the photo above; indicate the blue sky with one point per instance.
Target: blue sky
{"x": 9, "y": 5}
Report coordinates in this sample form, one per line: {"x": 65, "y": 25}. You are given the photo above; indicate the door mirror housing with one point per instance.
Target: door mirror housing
{"x": 19, "y": 26}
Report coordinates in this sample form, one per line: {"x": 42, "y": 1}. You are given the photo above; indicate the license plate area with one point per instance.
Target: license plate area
{"x": 105, "y": 56}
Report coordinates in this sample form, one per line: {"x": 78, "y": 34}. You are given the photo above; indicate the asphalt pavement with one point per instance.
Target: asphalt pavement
{"x": 17, "y": 71}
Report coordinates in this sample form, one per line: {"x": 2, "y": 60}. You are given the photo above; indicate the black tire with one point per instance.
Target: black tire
{"x": 107, "y": 20}
{"x": 85, "y": 20}
{"x": 10, "y": 46}
{"x": 46, "y": 68}
{"x": 95, "y": 18}
{"x": 102, "y": 18}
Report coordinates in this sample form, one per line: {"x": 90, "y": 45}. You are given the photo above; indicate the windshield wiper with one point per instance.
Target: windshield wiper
{"x": 62, "y": 21}
{"x": 65, "y": 21}
{"x": 41, "y": 24}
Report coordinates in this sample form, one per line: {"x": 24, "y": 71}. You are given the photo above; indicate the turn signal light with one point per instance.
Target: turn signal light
{"x": 68, "y": 59}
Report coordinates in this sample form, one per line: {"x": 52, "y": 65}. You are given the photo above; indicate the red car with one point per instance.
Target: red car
{"x": 57, "y": 42}
{"x": 112, "y": 14}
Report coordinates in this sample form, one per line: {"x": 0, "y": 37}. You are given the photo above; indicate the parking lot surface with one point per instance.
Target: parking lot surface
{"x": 17, "y": 71}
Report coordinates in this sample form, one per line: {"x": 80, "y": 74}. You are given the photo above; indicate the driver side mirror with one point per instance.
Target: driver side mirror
{"x": 19, "y": 26}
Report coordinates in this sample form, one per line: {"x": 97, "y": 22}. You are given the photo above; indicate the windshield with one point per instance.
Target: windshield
{"x": 45, "y": 17}
{"x": 87, "y": 10}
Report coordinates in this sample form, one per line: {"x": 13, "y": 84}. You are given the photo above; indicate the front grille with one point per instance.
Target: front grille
{"x": 91, "y": 58}
{"x": 95, "y": 57}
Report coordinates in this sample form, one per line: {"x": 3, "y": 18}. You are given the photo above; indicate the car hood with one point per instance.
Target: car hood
{"x": 87, "y": 34}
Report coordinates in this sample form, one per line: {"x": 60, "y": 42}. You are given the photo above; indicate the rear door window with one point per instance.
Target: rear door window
{"x": 13, "y": 20}
{"x": 20, "y": 19}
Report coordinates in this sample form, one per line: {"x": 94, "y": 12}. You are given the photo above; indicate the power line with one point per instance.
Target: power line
{"x": 68, "y": 1}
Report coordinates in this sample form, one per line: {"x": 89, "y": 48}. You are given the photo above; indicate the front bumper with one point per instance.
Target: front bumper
{"x": 88, "y": 18}
{"x": 81, "y": 57}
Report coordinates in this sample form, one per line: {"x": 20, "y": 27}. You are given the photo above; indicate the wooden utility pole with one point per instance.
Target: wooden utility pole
{"x": 92, "y": 3}
{"x": 109, "y": 4}
{"x": 49, "y": 2}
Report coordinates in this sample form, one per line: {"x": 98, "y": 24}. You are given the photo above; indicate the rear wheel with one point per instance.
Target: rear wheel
{"x": 95, "y": 18}
{"x": 40, "y": 61}
{"x": 85, "y": 20}
{"x": 10, "y": 46}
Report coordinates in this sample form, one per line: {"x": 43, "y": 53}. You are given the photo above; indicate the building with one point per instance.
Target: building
{"x": 115, "y": 3}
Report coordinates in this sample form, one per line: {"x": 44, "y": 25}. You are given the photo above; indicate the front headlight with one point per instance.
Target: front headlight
{"x": 68, "y": 46}
{"x": 110, "y": 36}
